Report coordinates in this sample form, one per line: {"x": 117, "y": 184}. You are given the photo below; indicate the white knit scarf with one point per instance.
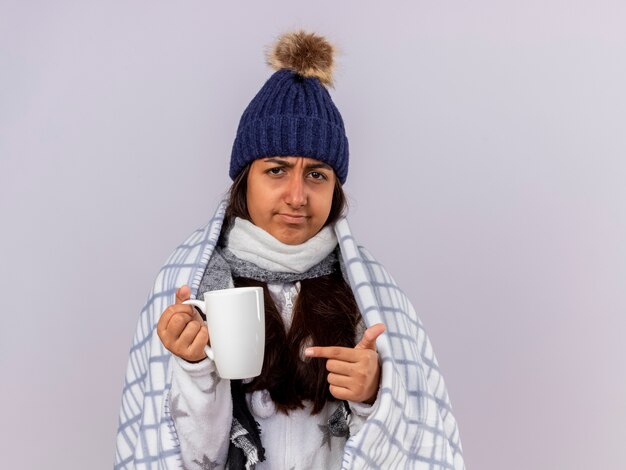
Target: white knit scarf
{"x": 251, "y": 243}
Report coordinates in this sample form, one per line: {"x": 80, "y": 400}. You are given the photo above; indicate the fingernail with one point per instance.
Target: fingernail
{"x": 308, "y": 352}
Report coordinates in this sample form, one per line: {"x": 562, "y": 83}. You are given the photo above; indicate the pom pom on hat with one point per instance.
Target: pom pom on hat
{"x": 306, "y": 54}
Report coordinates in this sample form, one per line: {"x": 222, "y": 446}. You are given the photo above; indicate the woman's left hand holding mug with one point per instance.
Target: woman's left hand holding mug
{"x": 182, "y": 330}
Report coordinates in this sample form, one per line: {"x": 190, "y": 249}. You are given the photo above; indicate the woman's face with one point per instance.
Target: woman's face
{"x": 290, "y": 197}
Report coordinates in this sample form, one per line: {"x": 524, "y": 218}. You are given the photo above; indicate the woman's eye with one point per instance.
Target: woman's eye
{"x": 275, "y": 171}
{"x": 317, "y": 175}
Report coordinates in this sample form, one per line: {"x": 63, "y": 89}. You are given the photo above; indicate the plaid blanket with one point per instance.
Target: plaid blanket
{"x": 412, "y": 425}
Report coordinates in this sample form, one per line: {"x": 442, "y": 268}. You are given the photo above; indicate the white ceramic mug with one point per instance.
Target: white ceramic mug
{"x": 236, "y": 321}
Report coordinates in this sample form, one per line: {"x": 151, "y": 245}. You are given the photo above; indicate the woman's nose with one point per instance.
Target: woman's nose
{"x": 296, "y": 193}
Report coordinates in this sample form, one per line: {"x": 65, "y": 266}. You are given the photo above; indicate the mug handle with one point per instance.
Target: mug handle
{"x": 202, "y": 306}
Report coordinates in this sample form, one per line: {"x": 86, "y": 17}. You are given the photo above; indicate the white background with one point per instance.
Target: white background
{"x": 487, "y": 173}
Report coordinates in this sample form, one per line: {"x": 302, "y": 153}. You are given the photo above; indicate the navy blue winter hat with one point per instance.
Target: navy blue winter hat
{"x": 293, "y": 114}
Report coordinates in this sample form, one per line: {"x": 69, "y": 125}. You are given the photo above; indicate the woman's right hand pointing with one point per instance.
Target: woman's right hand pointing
{"x": 182, "y": 330}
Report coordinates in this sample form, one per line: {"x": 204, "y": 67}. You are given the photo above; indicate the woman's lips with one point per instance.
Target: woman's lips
{"x": 293, "y": 218}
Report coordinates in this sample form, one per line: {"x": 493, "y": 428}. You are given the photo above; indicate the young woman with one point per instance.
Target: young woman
{"x": 334, "y": 390}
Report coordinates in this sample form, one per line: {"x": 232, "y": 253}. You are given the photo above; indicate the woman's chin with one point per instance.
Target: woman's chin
{"x": 291, "y": 235}
{"x": 292, "y": 240}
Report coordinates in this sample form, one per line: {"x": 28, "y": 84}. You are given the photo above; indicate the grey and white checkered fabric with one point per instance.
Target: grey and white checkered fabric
{"x": 411, "y": 427}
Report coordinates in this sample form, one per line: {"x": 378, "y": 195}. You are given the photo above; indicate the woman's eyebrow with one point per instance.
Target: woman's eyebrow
{"x": 310, "y": 166}
{"x": 318, "y": 165}
{"x": 280, "y": 161}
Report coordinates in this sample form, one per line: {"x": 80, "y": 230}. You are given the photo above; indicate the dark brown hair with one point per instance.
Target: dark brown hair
{"x": 325, "y": 314}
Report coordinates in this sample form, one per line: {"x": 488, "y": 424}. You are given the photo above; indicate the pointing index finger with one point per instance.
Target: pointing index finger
{"x": 332, "y": 352}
